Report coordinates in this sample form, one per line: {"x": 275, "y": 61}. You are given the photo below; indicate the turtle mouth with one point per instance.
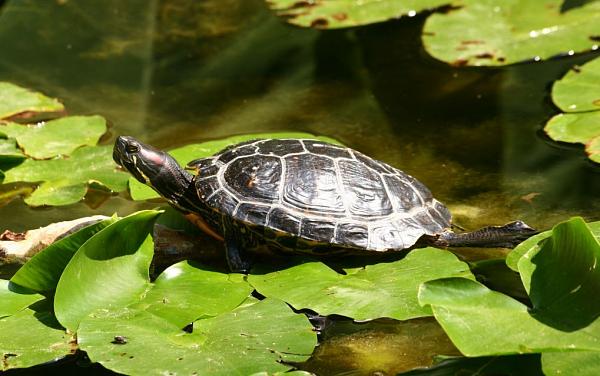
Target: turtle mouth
{"x": 125, "y": 159}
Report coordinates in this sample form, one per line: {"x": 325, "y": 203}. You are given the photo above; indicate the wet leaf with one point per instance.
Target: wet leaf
{"x": 581, "y": 363}
{"x": 29, "y": 333}
{"x": 513, "y": 257}
{"x": 333, "y": 14}
{"x": 562, "y": 280}
{"x": 110, "y": 269}
{"x": 188, "y": 153}
{"x": 42, "y": 272}
{"x": 499, "y": 32}
{"x": 360, "y": 293}
{"x": 64, "y": 181}
{"x": 15, "y": 100}
{"x": 253, "y": 338}
{"x": 56, "y": 137}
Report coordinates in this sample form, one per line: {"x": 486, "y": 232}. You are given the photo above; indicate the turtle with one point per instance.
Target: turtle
{"x": 303, "y": 196}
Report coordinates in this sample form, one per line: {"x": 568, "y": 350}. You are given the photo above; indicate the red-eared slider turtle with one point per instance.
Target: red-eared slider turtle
{"x": 304, "y": 196}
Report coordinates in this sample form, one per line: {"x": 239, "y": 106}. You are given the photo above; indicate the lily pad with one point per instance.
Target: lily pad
{"x": 64, "y": 180}
{"x": 110, "y": 269}
{"x": 482, "y": 322}
{"x": 56, "y": 137}
{"x": 500, "y": 32}
{"x": 513, "y": 257}
{"x": 42, "y": 272}
{"x": 581, "y": 363}
{"x": 562, "y": 282}
{"x": 9, "y": 152}
{"x": 333, "y": 14}
{"x": 15, "y": 100}
{"x": 593, "y": 149}
{"x": 359, "y": 294}
{"x": 188, "y": 153}
{"x": 29, "y": 333}
{"x": 253, "y": 338}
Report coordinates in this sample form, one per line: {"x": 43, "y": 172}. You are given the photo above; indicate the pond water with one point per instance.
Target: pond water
{"x": 178, "y": 72}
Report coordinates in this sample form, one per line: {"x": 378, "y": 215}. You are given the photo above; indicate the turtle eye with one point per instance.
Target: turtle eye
{"x": 131, "y": 148}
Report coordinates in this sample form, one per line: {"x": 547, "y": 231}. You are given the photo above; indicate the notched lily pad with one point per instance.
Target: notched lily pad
{"x": 254, "y": 337}
{"x": 362, "y": 292}
{"x": 334, "y": 14}
{"x": 15, "y": 100}
{"x": 56, "y": 137}
{"x": 64, "y": 181}
{"x": 578, "y": 95}
{"x": 188, "y": 153}
{"x": 500, "y": 32}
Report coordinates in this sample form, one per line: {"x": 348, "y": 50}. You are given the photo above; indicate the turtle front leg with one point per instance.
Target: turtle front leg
{"x": 237, "y": 257}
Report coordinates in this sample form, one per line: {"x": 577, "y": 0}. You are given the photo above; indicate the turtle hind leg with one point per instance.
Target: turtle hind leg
{"x": 507, "y": 236}
{"x": 237, "y": 258}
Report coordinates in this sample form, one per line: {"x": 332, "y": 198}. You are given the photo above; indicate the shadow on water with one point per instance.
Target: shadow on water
{"x": 176, "y": 72}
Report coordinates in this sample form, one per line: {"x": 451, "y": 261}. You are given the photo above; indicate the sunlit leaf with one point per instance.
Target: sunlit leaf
{"x": 42, "y": 271}
{"x": 360, "y": 293}
{"x": 580, "y": 363}
{"x": 188, "y": 153}
{"x": 253, "y": 338}
{"x": 333, "y": 14}
{"x": 110, "y": 269}
{"x": 184, "y": 293}
{"x": 64, "y": 181}
{"x": 578, "y": 95}
{"x": 513, "y": 257}
{"x": 15, "y": 100}
{"x": 29, "y": 333}
{"x": 56, "y": 137}
{"x": 499, "y": 32}
{"x": 482, "y": 322}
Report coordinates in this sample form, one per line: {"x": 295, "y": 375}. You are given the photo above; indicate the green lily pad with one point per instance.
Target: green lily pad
{"x": 253, "y": 338}
{"x": 9, "y": 152}
{"x": 42, "y": 272}
{"x": 64, "y": 180}
{"x": 561, "y": 276}
{"x": 579, "y": 89}
{"x": 15, "y": 100}
{"x": 361, "y": 292}
{"x": 110, "y": 269}
{"x": 184, "y": 293}
{"x": 188, "y": 153}
{"x": 29, "y": 333}
{"x": 482, "y": 322}
{"x": 333, "y": 14}
{"x": 14, "y": 298}
{"x": 513, "y": 257}
{"x": 56, "y": 137}
{"x": 562, "y": 282}
{"x": 581, "y": 363}
{"x": 500, "y": 32}
{"x": 578, "y": 95}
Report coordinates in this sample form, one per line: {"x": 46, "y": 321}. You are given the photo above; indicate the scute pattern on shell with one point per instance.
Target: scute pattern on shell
{"x": 320, "y": 192}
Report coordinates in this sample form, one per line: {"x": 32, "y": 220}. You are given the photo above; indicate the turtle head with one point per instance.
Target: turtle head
{"x": 153, "y": 167}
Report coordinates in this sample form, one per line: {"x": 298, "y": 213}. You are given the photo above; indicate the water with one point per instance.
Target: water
{"x": 177, "y": 72}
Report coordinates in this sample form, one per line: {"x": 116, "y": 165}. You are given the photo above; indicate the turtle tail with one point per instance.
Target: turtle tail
{"x": 507, "y": 236}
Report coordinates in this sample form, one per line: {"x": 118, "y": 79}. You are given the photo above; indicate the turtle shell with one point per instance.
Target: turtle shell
{"x": 319, "y": 192}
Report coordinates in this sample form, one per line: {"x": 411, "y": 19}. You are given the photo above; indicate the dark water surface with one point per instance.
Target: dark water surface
{"x": 182, "y": 71}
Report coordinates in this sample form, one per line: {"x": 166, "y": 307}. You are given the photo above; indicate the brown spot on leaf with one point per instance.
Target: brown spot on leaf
{"x": 319, "y": 23}
{"x": 472, "y": 42}
{"x": 460, "y": 62}
{"x": 596, "y": 102}
{"x": 428, "y": 33}
{"x": 485, "y": 55}
{"x": 595, "y": 38}
{"x": 501, "y": 59}
{"x": 12, "y": 236}
{"x": 340, "y": 16}
{"x": 303, "y": 4}
{"x": 461, "y": 48}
